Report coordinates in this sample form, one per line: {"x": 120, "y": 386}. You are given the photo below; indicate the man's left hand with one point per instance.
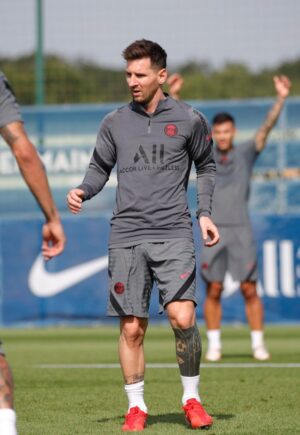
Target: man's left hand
{"x": 210, "y": 233}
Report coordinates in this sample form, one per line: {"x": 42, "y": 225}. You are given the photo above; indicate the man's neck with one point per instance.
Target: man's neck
{"x": 152, "y": 105}
{"x": 225, "y": 151}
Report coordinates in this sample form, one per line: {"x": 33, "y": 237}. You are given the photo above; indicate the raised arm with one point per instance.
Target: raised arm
{"x": 175, "y": 82}
{"x": 282, "y": 86}
{"x": 35, "y": 177}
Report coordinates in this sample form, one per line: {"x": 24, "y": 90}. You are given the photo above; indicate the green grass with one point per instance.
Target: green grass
{"x": 92, "y": 401}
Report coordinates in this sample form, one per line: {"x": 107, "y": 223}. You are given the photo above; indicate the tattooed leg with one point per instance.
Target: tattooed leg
{"x": 6, "y": 384}
{"x": 188, "y": 350}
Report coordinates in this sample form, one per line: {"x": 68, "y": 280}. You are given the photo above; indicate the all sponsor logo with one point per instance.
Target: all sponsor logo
{"x": 157, "y": 154}
{"x": 148, "y": 159}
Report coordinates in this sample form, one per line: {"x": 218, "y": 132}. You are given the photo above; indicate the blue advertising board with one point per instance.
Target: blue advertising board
{"x": 74, "y": 286}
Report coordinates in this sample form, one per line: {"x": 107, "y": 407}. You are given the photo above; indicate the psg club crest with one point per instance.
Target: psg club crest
{"x": 171, "y": 130}
{"x": 119, "y": 288}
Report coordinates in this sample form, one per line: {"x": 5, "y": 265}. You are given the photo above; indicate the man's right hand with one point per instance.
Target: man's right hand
{"x": 74, "y": 200}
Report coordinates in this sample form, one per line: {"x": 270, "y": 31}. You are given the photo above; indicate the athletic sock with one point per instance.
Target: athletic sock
{"x": 135, "y": 394}
{"x": 214, "y": 338}
{"x": 257, "y": 339}
{"x": 190, "y": 386}
{"x": 8, "y": 422}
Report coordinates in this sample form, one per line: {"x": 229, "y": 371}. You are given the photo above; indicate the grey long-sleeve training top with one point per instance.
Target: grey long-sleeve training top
{"x": 154, "y": 153}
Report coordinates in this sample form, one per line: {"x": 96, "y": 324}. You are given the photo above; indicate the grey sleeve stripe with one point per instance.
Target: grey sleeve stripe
{"x": 101, "y": 162}
{"x": 203, "y": 157}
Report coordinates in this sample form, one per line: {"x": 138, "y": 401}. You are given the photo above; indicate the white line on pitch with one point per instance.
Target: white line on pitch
{"x": 174, "y": 366}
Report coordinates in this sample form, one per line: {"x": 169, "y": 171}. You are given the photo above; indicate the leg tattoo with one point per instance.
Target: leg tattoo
{"x": 134, "y": 379}
{"x": 188, "y": 350}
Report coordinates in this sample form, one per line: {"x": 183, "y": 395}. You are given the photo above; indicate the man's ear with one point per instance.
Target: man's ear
{"x": 162, "y": 76}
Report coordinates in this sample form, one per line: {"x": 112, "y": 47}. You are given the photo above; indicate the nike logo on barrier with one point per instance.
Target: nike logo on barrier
{"x": 45, "y": 284}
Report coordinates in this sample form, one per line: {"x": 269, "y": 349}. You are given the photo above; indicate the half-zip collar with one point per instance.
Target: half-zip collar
{"x": 163, "y": 105}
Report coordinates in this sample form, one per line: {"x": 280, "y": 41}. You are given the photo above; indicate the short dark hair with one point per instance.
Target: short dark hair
{"x": 222, "y": 117}
{"x": 144, "y": 48}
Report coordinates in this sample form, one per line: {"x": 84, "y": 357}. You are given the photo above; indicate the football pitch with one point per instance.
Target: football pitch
{"x": 67, "y": 382}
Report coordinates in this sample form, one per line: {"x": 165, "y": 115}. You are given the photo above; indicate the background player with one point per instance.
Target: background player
{"x": 153, "y": 140}
{"x": 31, "y": 167}
{"x": 236, "y": 251}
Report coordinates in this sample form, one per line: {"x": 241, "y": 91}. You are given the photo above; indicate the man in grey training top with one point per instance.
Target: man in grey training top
{"x": 153, "y": 140}
{"x": 13, "y": 132}
{"x": 236, "y": 251}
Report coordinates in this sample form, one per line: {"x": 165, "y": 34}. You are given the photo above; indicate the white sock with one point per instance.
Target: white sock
{"x": 135, "y": 394}
{"x": 8, "y": 421}
{"x": 257, "y": 339}
{"x": 190, "y": 386}
{"x": 214, "y": 338}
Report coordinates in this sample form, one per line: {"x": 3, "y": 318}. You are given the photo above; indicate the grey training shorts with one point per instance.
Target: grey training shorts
{"x": 235, "y": 253}
{"x": 133, "y": 270}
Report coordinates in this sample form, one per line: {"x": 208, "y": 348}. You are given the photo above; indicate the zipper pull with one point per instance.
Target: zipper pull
{"x": 149, "y": 126}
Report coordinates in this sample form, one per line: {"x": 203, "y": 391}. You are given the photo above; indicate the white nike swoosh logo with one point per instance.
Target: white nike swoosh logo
{"x": 44, "y": 284}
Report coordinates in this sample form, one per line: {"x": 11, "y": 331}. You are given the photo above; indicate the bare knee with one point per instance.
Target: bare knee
{"x": 249, "y": 292}
{"x": 181, "y": 314}
{"x": 133, "y": 330}
{"x": 214, "y": 290}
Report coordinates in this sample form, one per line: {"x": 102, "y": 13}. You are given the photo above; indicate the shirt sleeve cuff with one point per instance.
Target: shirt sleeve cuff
{"x": 201, "y": 213}
{"x": 87, "y": 192}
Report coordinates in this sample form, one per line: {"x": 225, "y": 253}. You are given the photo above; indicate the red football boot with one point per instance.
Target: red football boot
{"x": 135, "y": 420}
{"x": 195, "y": 415}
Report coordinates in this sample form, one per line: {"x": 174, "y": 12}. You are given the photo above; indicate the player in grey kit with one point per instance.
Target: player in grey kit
{"x": 153, "y": 140}
{"x": 236, "y": 251}
{"x": 13, "y": 132}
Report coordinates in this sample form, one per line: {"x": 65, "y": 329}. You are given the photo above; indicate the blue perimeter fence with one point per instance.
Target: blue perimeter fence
{"x": 74, "y": 286}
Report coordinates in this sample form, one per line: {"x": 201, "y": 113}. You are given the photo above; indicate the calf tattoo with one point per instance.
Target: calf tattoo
{"x": 188, "y": 350}
{"x": 134, "y": 379}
